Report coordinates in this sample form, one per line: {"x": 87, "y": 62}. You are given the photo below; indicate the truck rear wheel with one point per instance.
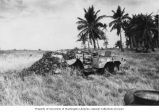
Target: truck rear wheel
{"x": 105, "y": 71}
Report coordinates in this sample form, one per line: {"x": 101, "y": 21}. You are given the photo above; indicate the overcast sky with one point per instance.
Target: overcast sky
{"x": 51, "y": 24}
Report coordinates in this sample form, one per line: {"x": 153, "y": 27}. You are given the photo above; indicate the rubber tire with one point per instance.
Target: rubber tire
{"x": 129, "y": 97}
{"x": 143, "y": 101}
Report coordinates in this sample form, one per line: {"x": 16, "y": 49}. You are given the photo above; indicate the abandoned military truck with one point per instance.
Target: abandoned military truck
{"x": 96, "y": 61}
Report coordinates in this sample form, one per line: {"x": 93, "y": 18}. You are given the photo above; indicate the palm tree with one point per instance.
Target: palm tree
{"x": 90, "y": 27}
{"x": 119, "y": 17}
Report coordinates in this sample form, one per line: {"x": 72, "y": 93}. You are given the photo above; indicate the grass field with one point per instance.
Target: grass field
{"x": 69, "y": 88}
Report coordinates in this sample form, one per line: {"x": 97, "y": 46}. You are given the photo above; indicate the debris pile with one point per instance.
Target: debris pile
{"x": 70, "y": 55}
{"x": 47, "y": 63}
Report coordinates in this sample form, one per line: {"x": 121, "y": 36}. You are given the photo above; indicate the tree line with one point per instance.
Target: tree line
{"x": 140, "y": 30}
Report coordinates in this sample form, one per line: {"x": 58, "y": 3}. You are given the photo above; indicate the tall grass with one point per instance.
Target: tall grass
{"x": 16, "y": 62}
{"x": 70, "y": 88}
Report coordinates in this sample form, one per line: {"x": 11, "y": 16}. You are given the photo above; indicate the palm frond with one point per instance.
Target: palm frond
{"x": 80, "y": 19}
{"x": 126, "y": 16}
{"x": 97, "y": 12}
{"x": 100, "y": 17}
{"x": 80, "y": 27}
{"x": 113, "y": 27}
{"x": 84, "y": 31}
{"x": 85, "y": 10}
{"x": 81, "y": 22}
{"x": 113, "y": 11}
{"x": 113, "y": 22}
{"x": 123, "y": 11}
{"x": 100, "y": 25}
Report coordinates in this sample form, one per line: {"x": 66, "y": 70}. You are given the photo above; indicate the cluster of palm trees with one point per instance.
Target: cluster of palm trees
{"x": 141, "y": 30}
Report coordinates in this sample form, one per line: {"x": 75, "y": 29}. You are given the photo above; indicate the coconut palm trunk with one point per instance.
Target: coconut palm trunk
{"x": 88, "y": 45}
{"x": 130, "y": 42}
{"x": 121, "y": 46}
{"x": 94, "y": 44}
{"x": 98, "y": 44}
{"x": 158, "y": 36}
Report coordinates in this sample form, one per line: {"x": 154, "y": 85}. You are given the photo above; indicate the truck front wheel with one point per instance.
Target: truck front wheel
{"x": 115, "y": 69}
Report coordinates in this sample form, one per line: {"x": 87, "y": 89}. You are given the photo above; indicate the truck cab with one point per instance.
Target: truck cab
{"x": 96, "y": 61}
{"x": 101, "y": 58}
